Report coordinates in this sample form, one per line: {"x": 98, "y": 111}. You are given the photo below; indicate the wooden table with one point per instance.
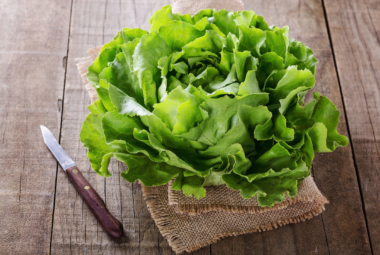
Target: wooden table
{"x": 41, "y": 213}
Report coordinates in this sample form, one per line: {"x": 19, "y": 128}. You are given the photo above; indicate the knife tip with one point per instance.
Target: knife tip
{"x": 42, "y": 127}
{"x": 43, "y": 130}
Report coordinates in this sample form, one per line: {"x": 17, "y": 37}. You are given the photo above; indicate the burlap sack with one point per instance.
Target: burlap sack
{"x": 189, "y": 224}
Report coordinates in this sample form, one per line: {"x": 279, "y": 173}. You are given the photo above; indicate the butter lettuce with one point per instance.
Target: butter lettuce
{"x": 211, "y": 99}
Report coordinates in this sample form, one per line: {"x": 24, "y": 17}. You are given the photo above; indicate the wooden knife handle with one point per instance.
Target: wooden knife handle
{"x": 96, "y": 204}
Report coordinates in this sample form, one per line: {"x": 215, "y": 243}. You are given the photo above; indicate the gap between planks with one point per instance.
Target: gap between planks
{"x": 60, "y": 124}
{"x": 347, "y": 123}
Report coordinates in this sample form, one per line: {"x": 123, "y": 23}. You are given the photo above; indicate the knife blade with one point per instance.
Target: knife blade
{"x": 94, "y": 202}
{"x": 63, "y": 159}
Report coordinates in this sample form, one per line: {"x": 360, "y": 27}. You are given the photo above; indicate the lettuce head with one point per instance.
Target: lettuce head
{"x": 211, "y": 99}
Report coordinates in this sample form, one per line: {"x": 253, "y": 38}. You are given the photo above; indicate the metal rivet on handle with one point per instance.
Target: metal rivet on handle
{"x": 86, "y": 187}
{"x": 75, "y": 171}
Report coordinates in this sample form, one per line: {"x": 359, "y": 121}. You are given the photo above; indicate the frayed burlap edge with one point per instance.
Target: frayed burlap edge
{"x": 194, "y": 209}
{"x": 163, "y": 221}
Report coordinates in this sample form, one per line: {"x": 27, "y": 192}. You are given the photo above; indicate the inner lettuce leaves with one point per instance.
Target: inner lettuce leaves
{"x": 211, "y": 99}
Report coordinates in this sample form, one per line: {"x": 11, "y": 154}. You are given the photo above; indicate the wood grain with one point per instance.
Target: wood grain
{"x": 33, "y": 46}
{"x": 75, "y": 230}
{"x": 355, "y": 33}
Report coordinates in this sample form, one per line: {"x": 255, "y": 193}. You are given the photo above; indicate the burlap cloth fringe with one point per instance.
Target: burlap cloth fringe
{"x": 221, "y": 198}
{"x": 189, "y": 224}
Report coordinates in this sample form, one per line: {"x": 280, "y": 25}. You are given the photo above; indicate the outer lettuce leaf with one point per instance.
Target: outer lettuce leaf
{"x": 162, "y": 18}
{"x": 208, "y": 45}
{"x": 292, "y": 80}
{"x": 271, "y": 189}
{"x": 220, "y": 111}
{"x": 160, "y": 137}
{"x": 242, "y": 132}
{"x": 145, "y": 59}
{"x": 177, "y": 34}
{"x": 300, "y": 55}
{"x": 224, "y": 20}
{"x": 189, "y": 113}
{"x": 92, "y": 137}
{"x": 193, "y": 185}
{"x": 276, "y": 159}
{"x": 320, "y": 119}
{"x": 101, "y": 62}
{"x": 250, "y": 85}
{"x": 277, "y": 41}
{"x": 251, "y": 39}
{"x": 207, "y": 13}
{"x": 148, "y": 172}
{"x": 108, "y": 52}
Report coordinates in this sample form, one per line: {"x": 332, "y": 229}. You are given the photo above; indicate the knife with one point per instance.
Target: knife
{"x": 94, "y": 202}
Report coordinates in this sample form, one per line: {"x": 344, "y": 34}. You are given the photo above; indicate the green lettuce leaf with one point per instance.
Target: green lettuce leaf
{"x": 148, "y": 172}
{"x": 93, "y": 138}
{"x": 145, "y": 59}
{"x": 270, "y": 189}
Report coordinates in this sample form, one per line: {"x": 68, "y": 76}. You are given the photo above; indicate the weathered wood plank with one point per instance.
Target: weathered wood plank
{"x": 354, "y": 28}
{"x": 33, "y": 46}
{"x": 75, "y": 230}
{"x": 243, "y": 244}
{"x": 334, "y": 173}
